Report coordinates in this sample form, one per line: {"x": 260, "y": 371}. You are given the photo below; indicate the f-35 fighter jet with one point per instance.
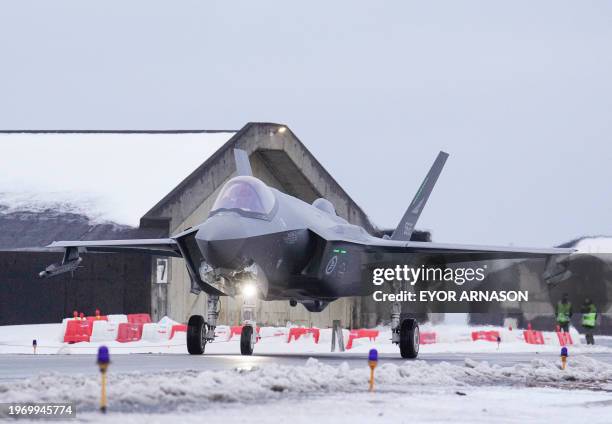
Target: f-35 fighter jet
{"x": 257, "y": 238}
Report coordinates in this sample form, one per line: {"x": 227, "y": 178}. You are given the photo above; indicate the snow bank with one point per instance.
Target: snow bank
{"x": 485, "y": 405}
{"x": 192, "y": 389}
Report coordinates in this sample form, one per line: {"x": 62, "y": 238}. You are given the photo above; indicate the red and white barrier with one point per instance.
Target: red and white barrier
{"x": 490, "y": 336}
{"x": 139, "y": 318}
{"x": 564, "y": 338}
{"x": 129, "y": 332}
{"x": 360, "y": 334}
{"x": 178, "y": 328}
{"x": 155, "y": 332}
{"x": 104, "y": 331}
{"x": 77, "y": 331}
{"x": 533, "y": 337}
{"x": 427, "y": 337}
{"x": 138, "y": 327}
{"x": 296, "y": 332}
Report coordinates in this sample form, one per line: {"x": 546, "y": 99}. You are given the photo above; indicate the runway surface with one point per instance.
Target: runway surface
{"x": 14, "y": 367}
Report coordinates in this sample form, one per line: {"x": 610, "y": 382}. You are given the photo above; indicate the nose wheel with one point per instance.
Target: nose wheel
{"x": 247, "y": 340}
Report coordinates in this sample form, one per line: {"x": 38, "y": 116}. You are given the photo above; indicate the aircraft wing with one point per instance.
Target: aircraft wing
{"x": 465, "y": 253}
{"x": 161, "y": 247}
{"x": 156, "y": 247}
{"x": 556, "y": 267}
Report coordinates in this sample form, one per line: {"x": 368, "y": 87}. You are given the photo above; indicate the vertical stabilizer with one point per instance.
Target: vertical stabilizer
{"x": 406, "y": 225}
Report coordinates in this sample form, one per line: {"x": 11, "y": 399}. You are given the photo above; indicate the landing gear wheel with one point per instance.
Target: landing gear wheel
{"x": 247, "y": 340}
{"x": 196, "y": 334}
{"x": 409, "y": 338}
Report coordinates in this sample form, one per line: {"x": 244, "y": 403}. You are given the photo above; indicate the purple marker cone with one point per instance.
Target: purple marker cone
{"x": 373, "y": 355}
{"x": 103, "y": 355}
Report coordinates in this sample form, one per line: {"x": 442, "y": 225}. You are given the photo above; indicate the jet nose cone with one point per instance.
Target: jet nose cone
{"x": 221, "y": 240}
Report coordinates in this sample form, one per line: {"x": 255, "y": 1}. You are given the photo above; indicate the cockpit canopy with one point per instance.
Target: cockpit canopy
{"x": 246, "y": 195}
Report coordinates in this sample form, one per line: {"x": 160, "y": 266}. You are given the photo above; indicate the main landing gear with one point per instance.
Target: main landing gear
{"x": 200, "y": 332}
{"x": 409, "y": 338}
{"x": 404, "y": 333}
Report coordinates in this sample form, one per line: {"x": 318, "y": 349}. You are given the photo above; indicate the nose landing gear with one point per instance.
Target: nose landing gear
{"x": 247, "y": 340}
{"x": 248, "y": 336}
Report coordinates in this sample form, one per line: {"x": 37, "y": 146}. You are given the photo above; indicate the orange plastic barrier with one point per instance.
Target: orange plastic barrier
{"x": 359, "y": 334}
{"x": 178, "y": 327}
{"x": 297, "y": 332}
{"x": 129, "y": 332}
{"x": 139, "y": 318}
{"x": 236, "y": 330}
{"x": 77, "y": 331}
{"x": 427, "y": 337}
{"x": 564, "y": 338}
{"x": 490, "y": 336}
{"x": 533, "y": 337}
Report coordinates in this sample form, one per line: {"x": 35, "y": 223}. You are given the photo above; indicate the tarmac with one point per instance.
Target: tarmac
{"x": 20, "y": 366}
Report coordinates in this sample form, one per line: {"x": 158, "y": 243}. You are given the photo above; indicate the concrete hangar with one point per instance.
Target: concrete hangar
{"x": 86, "y": 185}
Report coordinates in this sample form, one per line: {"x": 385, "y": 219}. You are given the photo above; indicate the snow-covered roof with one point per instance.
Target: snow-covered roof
{"x": 105, "y": 176}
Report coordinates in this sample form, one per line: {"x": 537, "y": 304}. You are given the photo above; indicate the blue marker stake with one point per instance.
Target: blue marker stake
{"x": 103, "y": 361}
{"x": 372, "y": 361}
{"x": 564, "y": 355}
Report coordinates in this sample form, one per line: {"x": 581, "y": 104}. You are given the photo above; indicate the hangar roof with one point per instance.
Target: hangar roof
{"x": 105, "y": 176}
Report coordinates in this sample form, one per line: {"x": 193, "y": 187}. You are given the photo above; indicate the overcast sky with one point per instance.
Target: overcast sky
{"x": 519, "y": 94}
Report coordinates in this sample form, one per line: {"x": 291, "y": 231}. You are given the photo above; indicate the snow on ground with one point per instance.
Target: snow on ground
{"x": 435, "y": 391}
{"x": 409, "y": 391}
{"x": 451, "y": 339}
{"x": 502, "y": 405}
{"x": 72, "y": 171}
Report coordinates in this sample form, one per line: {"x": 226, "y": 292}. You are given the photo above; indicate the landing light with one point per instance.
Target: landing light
{"x": 281, "y": 130}
{"x": 248, "y": 290}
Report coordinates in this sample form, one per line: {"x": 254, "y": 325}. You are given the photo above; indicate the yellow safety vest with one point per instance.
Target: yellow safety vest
{"x": 563, "y": 312}
{"x": 588, "y": 319}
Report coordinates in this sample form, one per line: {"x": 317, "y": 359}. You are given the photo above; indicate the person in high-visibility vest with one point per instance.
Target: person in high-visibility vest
{"x": 564, "y": 313}
{"x": 589, "y": 320}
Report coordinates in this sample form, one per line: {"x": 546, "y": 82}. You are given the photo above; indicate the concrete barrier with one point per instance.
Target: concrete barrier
{"x": 104, "y": 331}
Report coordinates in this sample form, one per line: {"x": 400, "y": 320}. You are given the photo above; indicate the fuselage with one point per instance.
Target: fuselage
{"x": 293, "y": 249}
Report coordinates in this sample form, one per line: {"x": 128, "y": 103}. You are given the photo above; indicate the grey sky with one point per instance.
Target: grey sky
{"x": 519, "y": 93}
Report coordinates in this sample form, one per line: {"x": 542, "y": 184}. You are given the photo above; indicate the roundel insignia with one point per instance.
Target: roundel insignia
{"x": 331, "y": 265}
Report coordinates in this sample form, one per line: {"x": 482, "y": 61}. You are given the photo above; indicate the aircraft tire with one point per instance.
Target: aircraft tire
{"x": 196, "y": 331}
{"x": 409, "y": 338}
{"x": 247, "y": 341}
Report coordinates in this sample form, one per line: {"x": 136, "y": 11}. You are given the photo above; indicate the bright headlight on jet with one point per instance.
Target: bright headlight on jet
{"x": 248, "y": 289}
